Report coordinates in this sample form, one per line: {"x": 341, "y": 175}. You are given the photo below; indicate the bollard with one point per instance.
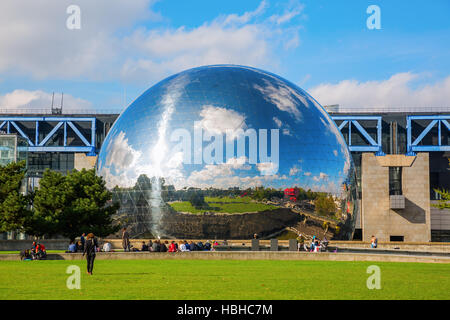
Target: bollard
{"x": 255, "y": 245}
{"x": 273, "y": 244}
{"x": 292, "y": 245}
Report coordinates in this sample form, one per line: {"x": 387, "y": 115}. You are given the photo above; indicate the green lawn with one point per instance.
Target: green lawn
{"x": 223, "y": 279}
{"x": 18, "y": 252}
{"x": 225, "y": 204}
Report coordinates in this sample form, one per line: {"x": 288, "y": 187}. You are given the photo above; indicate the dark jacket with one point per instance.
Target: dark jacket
{"x": 90, "y": 247}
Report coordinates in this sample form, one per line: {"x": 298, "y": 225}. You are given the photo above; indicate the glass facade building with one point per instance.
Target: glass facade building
{"x": 224, "y": 140}
{"x": 12, "y": 148}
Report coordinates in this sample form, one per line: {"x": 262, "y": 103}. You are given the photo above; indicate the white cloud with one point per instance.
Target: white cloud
{"x": 347, "y": 165}
{"x": 38, "y": 99}
{"x": 267, "y": 168}
{"x": 216, "y": 120}
{"x": 321, "y": 176}
{"x": 277, "y": 122}
{"x": 223, "y": 176}
{"x": 397, "y": 91}
{"x": 112, "y": 180}
{"x": 330, "y": 187}
{"x": 294, "y": 170}
{"x": 245, "y": 182}
{"x": 165, "y": 51}
{"x": 238, "y": 163}
{"x": 283, "y": 97}
{"x": 121, "y": 154}
{"x": 307, "y": 174}
{"x": 289, "y": 13}
{"x": 212, "y": 171}
{"x": 38, "y": 44}
{"x": 247, "y": 16}
{"x": 176, "y": 161}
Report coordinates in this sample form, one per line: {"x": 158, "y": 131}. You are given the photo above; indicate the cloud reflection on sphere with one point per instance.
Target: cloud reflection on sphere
{"x": 153, "y": 156}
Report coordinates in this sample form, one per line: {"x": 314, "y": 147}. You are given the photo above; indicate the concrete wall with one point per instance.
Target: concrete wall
{"x": 440, "y": 219}
{"x": 258, "y": 255}
{"x": 228, "y": 226}
{"x": 82, "y": 161}
{"x": 62, "y": 244}
{"x": 13, "y": 245}
{"x": 413, "y": 222}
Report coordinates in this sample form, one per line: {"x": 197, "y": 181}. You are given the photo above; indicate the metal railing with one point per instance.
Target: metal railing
{"x": 65, "y": 111}
{"x": 386, "y": 109}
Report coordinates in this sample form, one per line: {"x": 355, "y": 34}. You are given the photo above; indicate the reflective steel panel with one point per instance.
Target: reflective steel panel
{"x": 226, "y": 151}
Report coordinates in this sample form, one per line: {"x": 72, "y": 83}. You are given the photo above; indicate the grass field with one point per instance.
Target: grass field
{"x": 18, "y": 252}
{"x": 225, "y": 205}
{"x": 226, "y": 279}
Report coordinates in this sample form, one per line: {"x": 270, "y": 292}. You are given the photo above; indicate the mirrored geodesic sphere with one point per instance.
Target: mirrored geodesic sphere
{"x": 226, "y": 152}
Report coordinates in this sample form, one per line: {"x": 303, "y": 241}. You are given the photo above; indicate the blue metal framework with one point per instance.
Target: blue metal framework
{"x": 439, "y": 120}
{"x": 373, "y": 146}
{"x": 34, "y": 145}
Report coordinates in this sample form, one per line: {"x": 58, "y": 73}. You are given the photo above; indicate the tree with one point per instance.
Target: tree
{"x": 50, "y": 200}
{"x": 197, "y": 200}
{"x": 73, "y": 204}
{"x": 14, "y": 213}
{"x": 325, "y": 205}
{"x": 143, "y": 183}
{"x": 444, "y": 202}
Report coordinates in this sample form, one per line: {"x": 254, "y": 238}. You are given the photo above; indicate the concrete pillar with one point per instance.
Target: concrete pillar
{"x": 378, "y": 218}
{"x": 273, "y": 244}
{"x": 292, "y": 244}
{"x": 82, "y": 161}
{"x": 255, "y": 245}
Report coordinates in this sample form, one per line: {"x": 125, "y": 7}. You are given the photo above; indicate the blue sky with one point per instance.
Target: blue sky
{"x": 124, "y": 47}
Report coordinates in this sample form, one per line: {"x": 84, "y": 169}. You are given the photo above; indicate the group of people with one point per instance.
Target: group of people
{"x": 183, "y": 246}
{"x": 78, "y": 246}
{"x": 164, "y": 246}
{"x": 315, "y": 244}
{"x": 36, "y": 252}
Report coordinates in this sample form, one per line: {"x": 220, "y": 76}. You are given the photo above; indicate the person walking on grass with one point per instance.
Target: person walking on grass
{"x": 90, "y": 249}
{"x": 125, "y": 240}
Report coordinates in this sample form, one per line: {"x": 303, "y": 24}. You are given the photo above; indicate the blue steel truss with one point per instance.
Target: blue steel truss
{"x": 34, "y": 145}
{"x": 373, "y": 146}
{"x": 442, "y": 122}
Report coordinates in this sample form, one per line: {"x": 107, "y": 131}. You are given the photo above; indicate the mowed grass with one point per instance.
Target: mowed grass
{"x": 223, "y": 279}
{"x": 224, "y": 205}
{"x": 18, "y": 252}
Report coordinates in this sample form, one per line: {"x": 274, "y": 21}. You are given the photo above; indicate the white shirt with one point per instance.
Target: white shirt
{"x": 107, "y": 247}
